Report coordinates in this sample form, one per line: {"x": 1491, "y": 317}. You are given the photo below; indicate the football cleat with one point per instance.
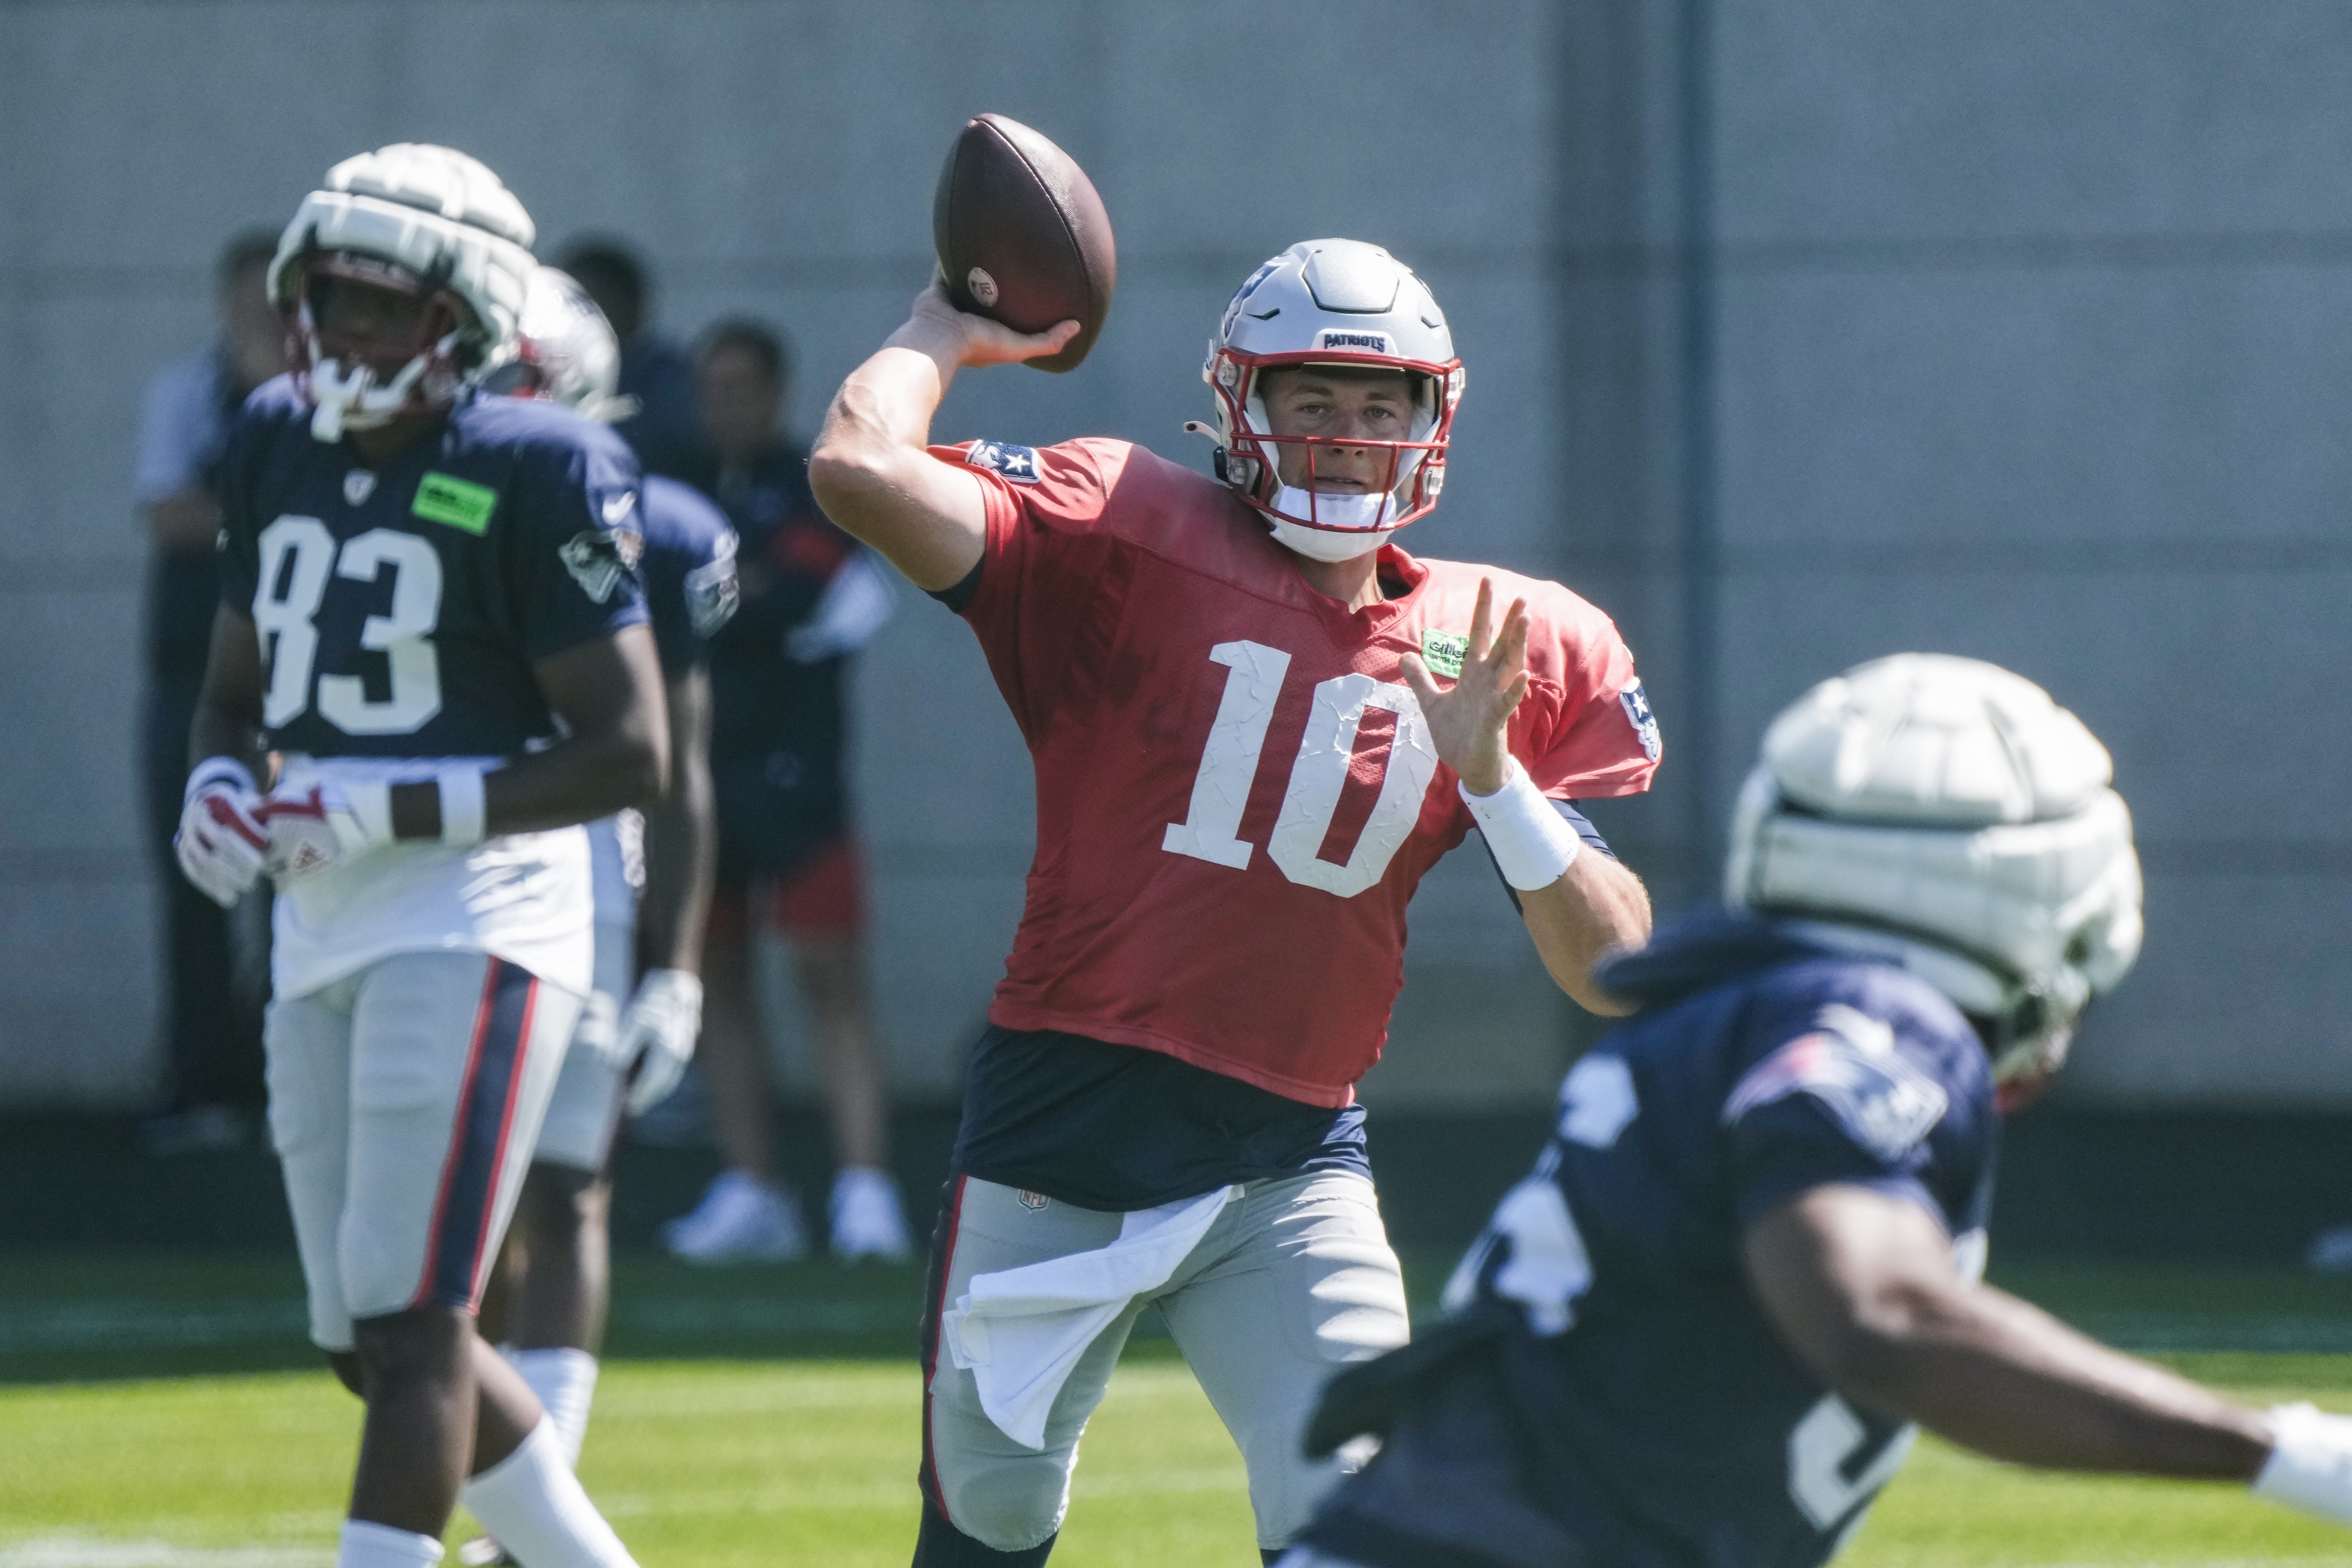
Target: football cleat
{"x": 741, "y": 1219}
{"x": 867, "y": 1220}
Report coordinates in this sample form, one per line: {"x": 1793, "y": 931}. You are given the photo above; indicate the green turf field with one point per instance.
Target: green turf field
{"x": 161, "y": 1413}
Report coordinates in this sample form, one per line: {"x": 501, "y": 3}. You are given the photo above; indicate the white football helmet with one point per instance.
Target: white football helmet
{"x": 565, "y": 350}
{"x": 1335, "y": 302}
{"x": 416, "y": 219}
{"x": 1945, "y": 815}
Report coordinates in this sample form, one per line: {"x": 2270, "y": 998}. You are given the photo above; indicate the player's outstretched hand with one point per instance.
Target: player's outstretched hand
{"x": 221, "y": 838}
{"x": 317, "y": 825}
{"x": 935, "y": 327}
{"x": 1468, "y": 720}
{"x": 657, "y": 1034}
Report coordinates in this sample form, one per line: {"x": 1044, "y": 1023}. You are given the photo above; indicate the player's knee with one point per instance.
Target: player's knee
{"x": 403, "y": 1349}
{"x": 560, "y": 1204}
{"x": 940, "y": 1544}
{"x": 1009, "y": 1512}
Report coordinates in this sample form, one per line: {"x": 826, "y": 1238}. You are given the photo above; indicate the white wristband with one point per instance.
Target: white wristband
{"x": 215, "y": 771}
{"x": 1529, "y": 842}
{"x": 369, "y": 804}
{"x": 462, "y": 811}
{"x": 2310, "y": 1467}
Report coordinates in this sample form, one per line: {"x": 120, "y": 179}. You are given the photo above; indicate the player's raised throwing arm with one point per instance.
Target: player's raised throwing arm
{"x": 869, "y": 470}
{"x": 1862, "y": 1286}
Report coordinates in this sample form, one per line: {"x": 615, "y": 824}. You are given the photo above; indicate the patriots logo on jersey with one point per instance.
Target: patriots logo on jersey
{"x": 598, "y": 558}
{"x": 1848, "y": 1063}
{"x": 712, "y": 591}
{"x": 1636, "y": 704}
{"x": 1018, "y": 464}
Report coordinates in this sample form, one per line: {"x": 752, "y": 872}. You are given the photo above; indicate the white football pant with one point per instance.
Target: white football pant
{"x": 405, "y": 1101}
{"x": 586, "y": 1109}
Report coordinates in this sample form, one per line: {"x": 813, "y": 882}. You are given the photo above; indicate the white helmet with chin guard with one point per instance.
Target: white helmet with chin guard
{"x": 416, "y": 219}
{"x": 1332, "y": 302}
{"x": 565, "y": 350}
{"x": 1945, "y": 815}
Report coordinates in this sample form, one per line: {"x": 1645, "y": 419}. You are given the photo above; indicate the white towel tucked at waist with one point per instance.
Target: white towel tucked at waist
{"x": 1021, "y": 1331}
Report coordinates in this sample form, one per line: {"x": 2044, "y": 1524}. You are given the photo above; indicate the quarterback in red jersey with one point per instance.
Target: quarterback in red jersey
{"x": 1256, "y": 723}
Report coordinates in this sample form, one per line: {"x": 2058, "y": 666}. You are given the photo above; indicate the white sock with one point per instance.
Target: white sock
{"x": 532, "y": 1504}
{"x": 565, "y": 1382}
{"x": 367, "y": 1545}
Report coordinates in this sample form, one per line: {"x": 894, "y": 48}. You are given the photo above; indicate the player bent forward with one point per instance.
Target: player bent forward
{"x": 1256, "y": 722}
{"x": 429, "y": 617}
{"x": 1747, "y": 1258}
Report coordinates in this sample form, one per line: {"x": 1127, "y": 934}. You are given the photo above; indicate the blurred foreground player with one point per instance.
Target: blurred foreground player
{"x": 788, "y": 855}
{"x": 1747, "y": 1258}
{"x": 638, "y": 1031}
{"x": 1245, "y": 765}
{"x": 431, "y": 624}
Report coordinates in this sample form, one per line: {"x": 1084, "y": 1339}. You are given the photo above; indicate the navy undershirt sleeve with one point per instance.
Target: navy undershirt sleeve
{"x": 1574, "y": 818}
{"x": 958, "y": 594}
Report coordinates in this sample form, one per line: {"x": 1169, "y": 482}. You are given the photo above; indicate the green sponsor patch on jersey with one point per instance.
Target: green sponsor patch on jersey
{"x": 456, "y": 502}
{"x": 1443, "y": 650}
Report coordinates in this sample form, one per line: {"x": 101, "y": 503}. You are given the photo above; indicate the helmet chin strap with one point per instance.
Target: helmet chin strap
{"x": 351, "y": 400}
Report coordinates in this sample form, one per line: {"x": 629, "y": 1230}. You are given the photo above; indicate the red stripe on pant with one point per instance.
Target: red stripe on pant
{"x": 944, "y": 1249}
{"x": 466, "y": 1207}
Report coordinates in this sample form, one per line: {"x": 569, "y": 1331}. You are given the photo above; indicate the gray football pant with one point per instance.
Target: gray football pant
{"x": 1293, "y": 1277}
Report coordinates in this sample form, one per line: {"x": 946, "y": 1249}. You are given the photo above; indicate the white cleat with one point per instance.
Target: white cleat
{"x": 741, "y": 1219}
{"x": 867, "y": 1220}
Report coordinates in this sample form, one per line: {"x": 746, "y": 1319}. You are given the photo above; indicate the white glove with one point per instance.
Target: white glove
{"x": 324, "y": 824}
{"x": 221, "y": 838}
{"x": 2310, "y": 1465}
{"x": 658, "y": 1029}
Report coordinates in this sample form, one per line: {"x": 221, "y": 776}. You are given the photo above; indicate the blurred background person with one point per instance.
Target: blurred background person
{"x": 666, "y": 431}
{"x": 787, "y": 858}
{"x": 217, "y": 974}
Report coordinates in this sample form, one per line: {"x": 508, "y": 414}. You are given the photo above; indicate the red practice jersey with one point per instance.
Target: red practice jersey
{"x": 1236, "y": 792}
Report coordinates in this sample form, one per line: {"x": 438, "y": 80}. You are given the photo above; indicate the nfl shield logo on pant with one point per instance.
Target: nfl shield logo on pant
{"x": 1032, "y": 1200}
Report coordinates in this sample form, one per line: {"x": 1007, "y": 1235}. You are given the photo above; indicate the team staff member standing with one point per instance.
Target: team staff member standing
{"x": 211, "y": 1028}
{"x": 1246, "y": 762}
{"x": 787, "y": 854}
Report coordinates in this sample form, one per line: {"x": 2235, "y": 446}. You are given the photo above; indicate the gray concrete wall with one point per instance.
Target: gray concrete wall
{"x": 2013, "y": 329}
{"x": 778, "y": 159}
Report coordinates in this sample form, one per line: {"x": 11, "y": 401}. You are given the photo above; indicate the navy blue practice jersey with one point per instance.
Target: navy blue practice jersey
{"x": 1639, "y": 1409}
{"x": 689, "y": 571}
{"x": 400, "y": 609}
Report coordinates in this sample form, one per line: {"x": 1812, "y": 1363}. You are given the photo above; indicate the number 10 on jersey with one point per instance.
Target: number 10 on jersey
{"x": 1220, "y": 789}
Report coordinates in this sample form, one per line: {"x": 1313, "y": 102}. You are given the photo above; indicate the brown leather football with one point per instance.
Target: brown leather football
{"x": 1023, "y": 237}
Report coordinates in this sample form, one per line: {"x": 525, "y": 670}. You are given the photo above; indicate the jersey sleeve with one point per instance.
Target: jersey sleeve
{"x": 240, "y": 564}
{"x": 1041, "y": 566}
{"x": 691, "y": 585}
{"x": 578, "y": 537}
{"x": 1603, "y": 739}
{"x": 1837, "y": 1096}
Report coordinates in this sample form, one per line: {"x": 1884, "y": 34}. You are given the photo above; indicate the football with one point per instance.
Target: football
{"x": 1022, "y": 236}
